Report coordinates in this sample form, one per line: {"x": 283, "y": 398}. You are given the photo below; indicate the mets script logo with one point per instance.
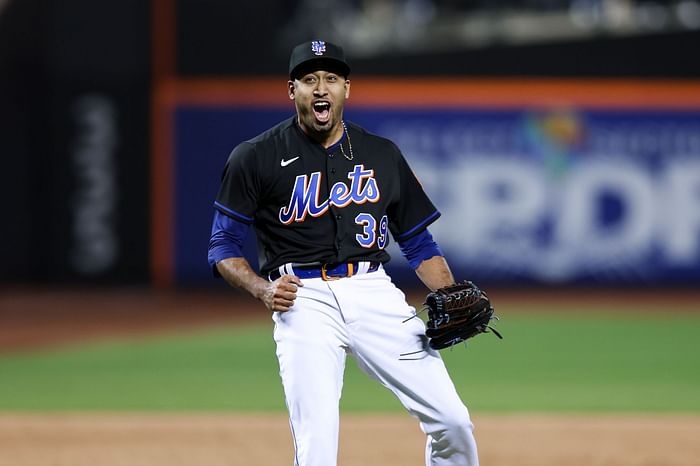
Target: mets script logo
{"x": 318, "y": 47}
{"x": 304, "y": 200}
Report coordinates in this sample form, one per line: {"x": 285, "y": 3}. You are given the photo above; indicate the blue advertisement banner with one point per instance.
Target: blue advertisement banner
{"x": 553, "y": 196}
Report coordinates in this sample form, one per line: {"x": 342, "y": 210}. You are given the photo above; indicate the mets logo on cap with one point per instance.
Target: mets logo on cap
{"x": 318, "y": 47}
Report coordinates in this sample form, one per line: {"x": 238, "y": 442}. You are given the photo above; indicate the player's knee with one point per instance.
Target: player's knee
{"x": 456, "y": 430}
{"x": 460, "y": 427}
{"x": 457, "y": 419}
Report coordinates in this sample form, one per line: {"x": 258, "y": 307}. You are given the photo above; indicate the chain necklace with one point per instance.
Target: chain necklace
{"x": 352, "y": 156}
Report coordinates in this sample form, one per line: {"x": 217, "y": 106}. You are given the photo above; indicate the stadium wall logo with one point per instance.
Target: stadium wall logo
{"x": 95, "y": 239}
{"x": 564, "y": 196}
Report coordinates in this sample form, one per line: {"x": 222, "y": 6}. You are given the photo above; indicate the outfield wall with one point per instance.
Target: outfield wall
{"x": 539, "y": 181}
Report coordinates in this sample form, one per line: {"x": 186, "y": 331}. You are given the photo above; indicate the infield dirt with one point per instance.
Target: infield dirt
{"x": 388, "y": 440}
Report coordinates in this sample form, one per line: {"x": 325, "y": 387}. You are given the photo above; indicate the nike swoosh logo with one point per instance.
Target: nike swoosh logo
{"x": 284, "y": 163}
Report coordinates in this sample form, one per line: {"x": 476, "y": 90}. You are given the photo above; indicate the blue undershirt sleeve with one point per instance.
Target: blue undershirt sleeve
{"x": 419, "y": 248}
{"x": 227, "y": 237}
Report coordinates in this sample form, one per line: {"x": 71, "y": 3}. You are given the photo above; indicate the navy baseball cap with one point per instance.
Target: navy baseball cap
{"x": 317, "y": 55}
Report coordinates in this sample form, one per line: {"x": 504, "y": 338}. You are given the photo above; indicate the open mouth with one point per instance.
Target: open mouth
{"x": 322, "y": 111}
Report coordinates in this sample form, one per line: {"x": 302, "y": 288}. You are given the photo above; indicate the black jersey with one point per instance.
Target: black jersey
{"x": 309, "y": 204}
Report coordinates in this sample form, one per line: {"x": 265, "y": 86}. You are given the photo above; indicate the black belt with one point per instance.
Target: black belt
{"x": 325, "y": 271}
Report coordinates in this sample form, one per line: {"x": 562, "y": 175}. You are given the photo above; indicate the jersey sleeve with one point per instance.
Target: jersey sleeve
{"x": 419, "y": 248}
{"x": 240, "y": 185}
{"x": 413, "y": 211}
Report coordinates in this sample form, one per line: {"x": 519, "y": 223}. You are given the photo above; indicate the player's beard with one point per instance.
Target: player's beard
{"x": 319, "y": 130}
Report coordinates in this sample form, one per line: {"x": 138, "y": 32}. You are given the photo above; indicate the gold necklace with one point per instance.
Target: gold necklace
{"x": 352, "y": 156}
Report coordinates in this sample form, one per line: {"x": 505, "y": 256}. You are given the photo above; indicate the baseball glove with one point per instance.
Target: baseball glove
{"x": 457, "y": 313}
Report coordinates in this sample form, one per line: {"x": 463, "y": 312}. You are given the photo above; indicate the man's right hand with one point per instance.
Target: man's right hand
{"x": 280, "y": 295}
{"x": 277, "y": 296}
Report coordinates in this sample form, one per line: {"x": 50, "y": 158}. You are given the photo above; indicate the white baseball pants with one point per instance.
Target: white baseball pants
{"x": 363, "y": 316}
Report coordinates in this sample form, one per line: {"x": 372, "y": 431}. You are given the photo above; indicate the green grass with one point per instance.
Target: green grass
{"x": 546, "y": 362}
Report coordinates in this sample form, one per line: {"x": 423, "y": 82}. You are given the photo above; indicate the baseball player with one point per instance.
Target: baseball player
{"x": 323, "y": 195}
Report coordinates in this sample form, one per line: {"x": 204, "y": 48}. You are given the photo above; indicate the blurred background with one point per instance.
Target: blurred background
{"x": 560, "y": 139}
